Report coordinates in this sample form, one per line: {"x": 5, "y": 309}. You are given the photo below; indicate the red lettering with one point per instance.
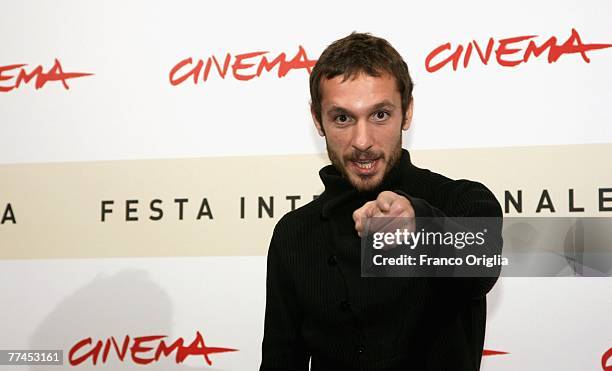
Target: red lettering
{"x": 574, "y": 45}
{"x": 93, "y": 353}
{"x": 512, "y": 46}
{"x": 55, "y": 73}
{"x": 121, "y": 353}
{"x": 167, "y": 350}
{"x": 299, "y": 61}
{"x": 489, "y": 352}
{"x": 222, "y": 71}
{"x": 25, "y": 77}
{"x": 175, "y": 81}
{"x": 137, "y": 348}
{"x": 268, "y": 66}
{"x": 503, "y": 50}
{"x": 238, "y": 65}
{"x": 198, "y": 347}
{"x": 533, "y": 49}
{"x": 4, "y": 78}
{"x": 484, "y": 58}
{"x": 604, "y": 360}
{"x": 466, "y": 56}
{"x": 454, "y": 57}
{"x": 106, "y": 350}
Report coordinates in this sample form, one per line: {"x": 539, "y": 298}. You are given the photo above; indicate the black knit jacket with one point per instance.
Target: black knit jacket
{"x": 320, "y": 309}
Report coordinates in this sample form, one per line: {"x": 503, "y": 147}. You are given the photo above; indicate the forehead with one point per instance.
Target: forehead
{"x": 360, "y": 91}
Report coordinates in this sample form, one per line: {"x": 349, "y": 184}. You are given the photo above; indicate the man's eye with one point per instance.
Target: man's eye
{"x": 381, "y": 115}
{"x": 342, "y": 119}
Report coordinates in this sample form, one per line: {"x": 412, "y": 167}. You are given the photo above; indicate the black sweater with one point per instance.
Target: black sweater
{"x": 318, "y": 306}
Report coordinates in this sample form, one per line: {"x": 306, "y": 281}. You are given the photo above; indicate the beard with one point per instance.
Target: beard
{"x": 365, "y": 183}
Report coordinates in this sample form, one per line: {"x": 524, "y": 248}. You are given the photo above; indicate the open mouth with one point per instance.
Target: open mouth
{"x": 365, "y": 167}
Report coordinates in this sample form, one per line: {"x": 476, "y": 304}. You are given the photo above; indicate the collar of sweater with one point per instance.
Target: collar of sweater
{"x": 338, "y": 190}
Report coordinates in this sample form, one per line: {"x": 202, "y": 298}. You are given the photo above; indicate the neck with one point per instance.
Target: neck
{"x": 338, "y": 189}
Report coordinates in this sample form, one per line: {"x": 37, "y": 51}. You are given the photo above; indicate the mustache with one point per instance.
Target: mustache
{"x": 367, "y": 155}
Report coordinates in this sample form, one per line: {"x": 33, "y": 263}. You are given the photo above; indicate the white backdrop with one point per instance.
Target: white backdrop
{"x": 127, "y": 109}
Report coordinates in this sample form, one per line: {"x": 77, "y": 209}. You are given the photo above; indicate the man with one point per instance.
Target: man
{"x": 319, "y": 309}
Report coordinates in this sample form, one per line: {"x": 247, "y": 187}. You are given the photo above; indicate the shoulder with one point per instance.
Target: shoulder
{"x": 298, "y": 224}
{"x": 455, "y": 196}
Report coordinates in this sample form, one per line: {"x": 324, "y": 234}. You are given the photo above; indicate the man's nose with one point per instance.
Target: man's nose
{"x": 362, "y": 136}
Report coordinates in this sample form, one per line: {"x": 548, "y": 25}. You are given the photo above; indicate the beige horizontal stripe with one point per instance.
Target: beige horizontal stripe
{"x": 58, "y": 206}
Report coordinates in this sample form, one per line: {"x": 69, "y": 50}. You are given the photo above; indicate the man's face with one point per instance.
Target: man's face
{"x": 362, "y": 121}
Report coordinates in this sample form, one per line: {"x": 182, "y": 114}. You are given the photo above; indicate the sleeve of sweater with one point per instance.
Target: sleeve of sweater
{"x": 465, "y": 199}
{"x": 282, "y": 347}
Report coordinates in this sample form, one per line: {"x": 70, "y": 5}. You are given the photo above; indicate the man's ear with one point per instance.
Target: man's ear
{"x": 317, "y": 124}
{"x": 408, "y": 116}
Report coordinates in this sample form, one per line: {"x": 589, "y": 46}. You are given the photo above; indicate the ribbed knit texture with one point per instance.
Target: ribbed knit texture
{"x": 319, "y": 306}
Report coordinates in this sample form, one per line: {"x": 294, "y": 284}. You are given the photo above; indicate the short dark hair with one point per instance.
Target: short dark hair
{"x": 359, "y": 53}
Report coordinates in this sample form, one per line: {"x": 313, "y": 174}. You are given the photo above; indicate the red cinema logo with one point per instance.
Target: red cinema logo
{"x": 489, "y": 352}
{"x": 141, "y": 350}
{"x": 509, "y": 52}
{"x": 242, "y": 67}
{"x": 14, "y": 75}
{"x": 607, "y": 356}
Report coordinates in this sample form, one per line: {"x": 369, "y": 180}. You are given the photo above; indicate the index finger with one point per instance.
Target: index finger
{"x": 384, "y": 200}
